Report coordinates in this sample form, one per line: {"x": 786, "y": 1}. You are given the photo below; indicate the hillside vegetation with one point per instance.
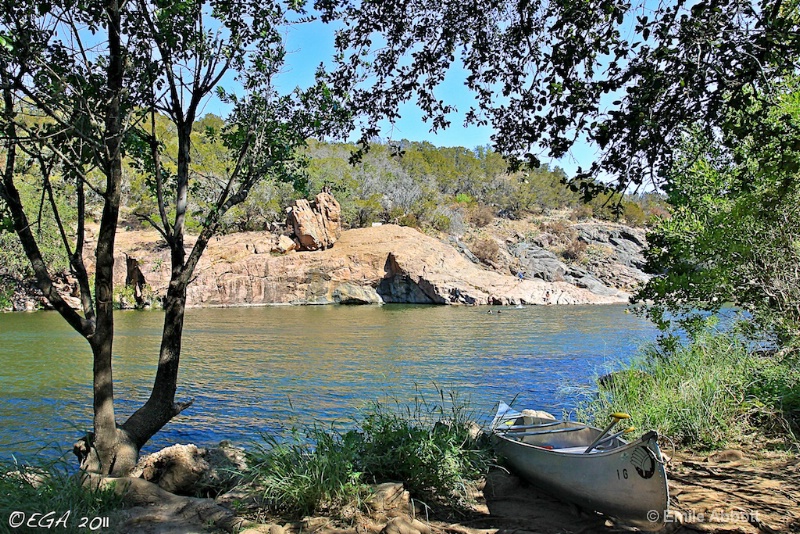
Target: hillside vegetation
{"x": 453, "y": 190}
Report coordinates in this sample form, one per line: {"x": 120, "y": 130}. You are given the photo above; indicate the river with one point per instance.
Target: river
{"x": 257, "y": 370}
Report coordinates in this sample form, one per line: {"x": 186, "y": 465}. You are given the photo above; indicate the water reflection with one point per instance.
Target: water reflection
{"x": 254, "y": 370}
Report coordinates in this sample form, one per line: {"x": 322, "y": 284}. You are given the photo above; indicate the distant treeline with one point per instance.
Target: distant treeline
{"x": 408, "y": 183}
{"x": 419, "y": 184}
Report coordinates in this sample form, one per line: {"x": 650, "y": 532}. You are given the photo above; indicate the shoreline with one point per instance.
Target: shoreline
{"x": 734, "y": 490}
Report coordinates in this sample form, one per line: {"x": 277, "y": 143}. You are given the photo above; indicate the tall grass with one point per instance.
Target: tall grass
{"x": 705, "y": 393}
{"x": 52, "y": 487}
{"x": 306, "y": 472}
{"x": 427, "y": 447}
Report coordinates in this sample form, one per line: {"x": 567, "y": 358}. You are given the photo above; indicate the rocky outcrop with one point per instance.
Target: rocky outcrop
{"x": 536, "y": 262}
{"x": 24, "y": 295}
{"x": 317, "y": 224}
{"x": 368, "y": 265}
{"x": 383, "y": 264}
{"x": 622, "y": 264}
{"x": 605, "y": 258}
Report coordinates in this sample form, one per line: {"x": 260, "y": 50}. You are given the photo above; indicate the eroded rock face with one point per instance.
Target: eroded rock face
{"x": 536, "y": 262}
{"x": 368, "y": 265}
{"x": 316, "y": 224}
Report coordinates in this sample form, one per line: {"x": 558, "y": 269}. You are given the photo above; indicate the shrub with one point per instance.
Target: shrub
{"x": 306, "y": 473}
{"x": 430, "y": 450}
{"x": 704, "y": 393}
{"x": 464, "y": 198}
{"x": 487, "y": 250}
{"x": 408, "y": 219}
{"x": 633, "y": 214}
{"x": 575, "y": 251}
{"x": 428, "y": 447}
{"x": 481, "y": 215}
{"x": 440, "y": 222}
{"x": 582, "y": 212}
{"x": 561, "y": 230}
{"x": 7, "y": 287}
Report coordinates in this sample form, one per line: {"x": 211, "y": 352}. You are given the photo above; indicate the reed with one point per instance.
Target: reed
{"x": 705, "y": 393}
{"x": 427, "y": 446}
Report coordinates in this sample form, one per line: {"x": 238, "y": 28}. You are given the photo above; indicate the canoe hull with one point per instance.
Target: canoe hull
{"x": 628, "y": 482}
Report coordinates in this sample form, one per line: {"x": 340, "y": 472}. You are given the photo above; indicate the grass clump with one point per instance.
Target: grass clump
{"x": 435, "y": 453}
{"x": 429, "y": 448}
{"x": 308, "y": 472}
{"x": 704, "y": 393}
{"x": 53, "y": 487}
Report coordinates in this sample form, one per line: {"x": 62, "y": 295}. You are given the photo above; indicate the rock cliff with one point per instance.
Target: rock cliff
{"x": 369, "y": 265}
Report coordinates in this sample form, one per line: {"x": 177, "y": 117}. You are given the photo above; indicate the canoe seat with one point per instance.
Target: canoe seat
{"x": 539, "y": 432}
{"x": 575, "y": 450}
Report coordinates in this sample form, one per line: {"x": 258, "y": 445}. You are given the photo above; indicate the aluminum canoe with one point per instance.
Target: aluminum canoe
{"x": 626, "y": 481}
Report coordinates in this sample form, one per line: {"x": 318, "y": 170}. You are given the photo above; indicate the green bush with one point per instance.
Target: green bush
{"x": 301, "y": 474}
{"x": 704, "y": 393}
{"x": 431, "y": 452}
{"x": 428, "y": 448}
{"x": 481, "y": 215}
{"x": 7, "y": 286}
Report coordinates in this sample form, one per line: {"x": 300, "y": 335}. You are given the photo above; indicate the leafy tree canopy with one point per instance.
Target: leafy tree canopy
{"x": 733, "y": 232}
{"x": 631, "y": 78}
{"x": 84, "y": 85}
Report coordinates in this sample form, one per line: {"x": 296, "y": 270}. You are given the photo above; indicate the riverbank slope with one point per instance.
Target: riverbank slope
{"x": 383, "y": 264}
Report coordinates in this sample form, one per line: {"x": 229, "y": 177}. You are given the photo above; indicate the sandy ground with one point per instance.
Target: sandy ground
{"x": 728, "y": 492}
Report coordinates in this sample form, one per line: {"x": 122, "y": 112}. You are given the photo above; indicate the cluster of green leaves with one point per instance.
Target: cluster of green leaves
{"x": 428, "y": 447}
{"x": 13, "y": 261}
{"x": 733, "y": 231}
{"x": 7, "y": 287}
{"x": 210, "y": 163}
{"x": 706, "y": 393}
{"x": 408, "y": 183}
{"x": 628, "y": 77}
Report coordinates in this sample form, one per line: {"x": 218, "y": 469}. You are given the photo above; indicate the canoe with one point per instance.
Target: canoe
{"x": 625, "y": 481}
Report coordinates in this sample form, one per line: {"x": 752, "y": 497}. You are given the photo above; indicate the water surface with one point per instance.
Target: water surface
{"x": 253, "y": 370}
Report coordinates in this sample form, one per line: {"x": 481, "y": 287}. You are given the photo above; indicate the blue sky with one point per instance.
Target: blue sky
{"x": 308, "y": 44}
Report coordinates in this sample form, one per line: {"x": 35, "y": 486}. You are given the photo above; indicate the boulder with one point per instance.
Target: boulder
{"x": 536, "y": 262}
{"x": 316, "y": 224}
{"x": 285, "y": 244}
{"x": 356, "y": 294}
{"x": 390, "y": 497}
{"x": 189, "y": 470}
{"x": 175, "y": 469}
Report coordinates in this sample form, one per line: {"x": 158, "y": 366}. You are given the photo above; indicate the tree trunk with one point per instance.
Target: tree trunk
{"x": 161, "y": 407}
{"x": 108, "y": 451}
